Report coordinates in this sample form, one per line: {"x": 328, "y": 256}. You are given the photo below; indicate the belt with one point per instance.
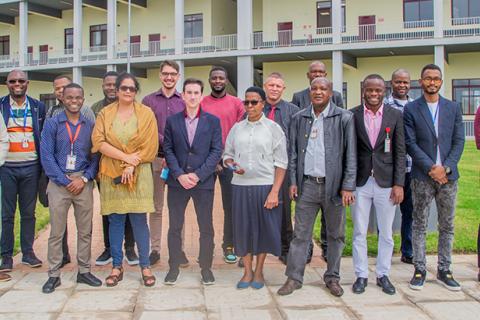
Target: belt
{"x": 319, "y": 180}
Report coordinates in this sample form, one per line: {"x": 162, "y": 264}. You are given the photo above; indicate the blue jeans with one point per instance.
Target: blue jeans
{"x": 21, "y": 183}
{"x": 141, "y": 235}
{"x": 406, "y": 207}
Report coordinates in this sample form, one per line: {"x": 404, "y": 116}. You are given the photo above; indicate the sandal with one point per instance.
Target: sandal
{"x": 113, "y": 279}
{"x": 148, "y": 281}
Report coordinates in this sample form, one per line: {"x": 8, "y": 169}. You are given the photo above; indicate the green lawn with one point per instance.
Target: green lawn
{"x": 43, "y": 218}
{"x": 467, "y": 213}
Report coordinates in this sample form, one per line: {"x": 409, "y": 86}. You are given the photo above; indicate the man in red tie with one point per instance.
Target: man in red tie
{"x": 281, "y": 111}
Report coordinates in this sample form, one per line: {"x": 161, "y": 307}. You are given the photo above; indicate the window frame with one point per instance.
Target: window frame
{"x": 344, "y": 14}
{"x": 471, "y": 107}
{"x": 5, "y": 40}
{"x": 192, "y": 19}
{"x": 407, "y": 23}
{"x": 102, "y": 29}
{"x": 66, "y": 33}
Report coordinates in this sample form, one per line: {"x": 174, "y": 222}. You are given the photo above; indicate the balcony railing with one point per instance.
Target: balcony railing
{"x": 289, "y": 38}
{"x": 48, "y": 58}
{"x": 94, "y": 53}
{"x": 418, "y": 24}
{"x": 149, "y": 49}
{"x": 468, "y": 20}
{"x": 210, "y": 44}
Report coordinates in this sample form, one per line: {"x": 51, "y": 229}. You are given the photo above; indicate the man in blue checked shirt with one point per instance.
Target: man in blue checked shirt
{"x": 398, "y": 99}
{"x": 71, "y": 167}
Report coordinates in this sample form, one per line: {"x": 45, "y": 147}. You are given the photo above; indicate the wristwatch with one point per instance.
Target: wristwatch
{"x": 84, "y": 179}
{"x": 448, "y": 170}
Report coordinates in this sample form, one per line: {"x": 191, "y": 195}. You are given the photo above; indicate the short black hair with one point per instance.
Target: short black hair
{"x": 218, "y": 68}
{"x": 258, "y": 91}
{"x": 62, "y": 76}
{"x": 125, "y": 75}
{"x": 110, "y": 74}
{"x": 193, "y": 81}
{"x": 431, "y": 67}
{"x": 373, "y": 76}
{"x": 72, "y": 85}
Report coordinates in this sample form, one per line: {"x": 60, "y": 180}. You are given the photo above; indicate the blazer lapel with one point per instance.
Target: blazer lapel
{"x": 383, "y": 126}
{"x": 361, "y": 127}
{"x": 425, "y": 112}
{"x": 200, "y": 124}
{"x": 306, "y": 97}
{"x": 183, "y": 128}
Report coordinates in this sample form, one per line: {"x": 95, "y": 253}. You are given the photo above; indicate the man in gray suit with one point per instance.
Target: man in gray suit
{"x": 316, "y": 69}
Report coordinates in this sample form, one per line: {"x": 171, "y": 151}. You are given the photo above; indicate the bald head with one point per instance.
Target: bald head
{"x": 17, "y": 73}
{"x": 17, "y": 83}
{"x": 400, "y": 84}
{"x": 316, "y": 69}
{"x": 400, "y": 72}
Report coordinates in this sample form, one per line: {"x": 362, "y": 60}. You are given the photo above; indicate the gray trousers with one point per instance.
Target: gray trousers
{"x": 308, "y": 204}
{"x": 60, "y": 201}
{"x": 423, "y": 192}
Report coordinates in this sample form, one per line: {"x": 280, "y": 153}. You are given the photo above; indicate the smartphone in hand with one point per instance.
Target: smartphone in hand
{"x": 117, "y": 180}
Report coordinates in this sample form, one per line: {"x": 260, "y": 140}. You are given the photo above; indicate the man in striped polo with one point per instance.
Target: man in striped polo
{"x": 19, "y": 175}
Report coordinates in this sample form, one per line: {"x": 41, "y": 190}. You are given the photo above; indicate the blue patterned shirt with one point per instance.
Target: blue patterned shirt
{"x": 55, "y": 147}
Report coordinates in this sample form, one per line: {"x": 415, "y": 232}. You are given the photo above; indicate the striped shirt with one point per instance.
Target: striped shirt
{"x": 20, "y": 134}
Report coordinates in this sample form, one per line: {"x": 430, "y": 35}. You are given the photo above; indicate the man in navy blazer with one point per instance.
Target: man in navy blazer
{"x": 435, "y": 137}
{"x": 193, "y": 148}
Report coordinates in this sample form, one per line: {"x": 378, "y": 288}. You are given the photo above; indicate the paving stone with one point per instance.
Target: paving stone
{"x": 228, "y": 277}
{"x": 102, "y": 300}
{"x": 402, "y": 273}
{"x": 96, "y": 316}
{"x": 460, "y": 310}
{"x": 373, "y": 296}
{"x": 464, "y": 271}
{"x": 131, "y": 281}
{"x": 188, "y": 278}
{"x": 432, "y": 291}
{"x": 35, "y": 281}
{"x": 33, "y": 301}
{"x": 472, "y": 288}
{"x": 16, "y": 276}
{"x": 391, "y": 313}
{"x": 27, "y": 316}
{"x": 327, "y": 313}
{"x": 244, "y": 314}
{"x": 217, "y": 297}
{"x": 170, "y": 298}
{"x": 277, "y": 277}
{"x": 173, "y": 315}
{"x": 464, "y": 258}
{"x": 307, "y": 296}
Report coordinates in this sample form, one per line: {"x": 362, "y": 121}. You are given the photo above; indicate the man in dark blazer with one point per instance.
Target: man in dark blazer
{"x": 380, "y": 179}
{"x": 301, "y": 99}
{"x": 435, "y": 138}
{"x": 193, "y": 148}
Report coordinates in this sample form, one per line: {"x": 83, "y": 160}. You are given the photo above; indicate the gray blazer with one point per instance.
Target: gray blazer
{"x": 302, "y": 99}
{"x": 340, "y": 150}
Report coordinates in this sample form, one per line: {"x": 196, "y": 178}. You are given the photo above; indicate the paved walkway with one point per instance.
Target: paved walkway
{"x": 22, "y": 298}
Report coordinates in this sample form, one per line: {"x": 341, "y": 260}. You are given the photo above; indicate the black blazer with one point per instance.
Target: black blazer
{"x": 302, "y": 99}
{"x": 388, "y": 167}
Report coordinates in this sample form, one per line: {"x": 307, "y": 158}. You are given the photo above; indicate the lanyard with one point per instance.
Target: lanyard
{"x": 27, "y": 108}
{"x": 72, "y": 139}
{"x": 434, "y": 117}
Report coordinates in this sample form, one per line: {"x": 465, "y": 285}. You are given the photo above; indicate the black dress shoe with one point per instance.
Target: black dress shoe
{"x": 89, "y": 279}
{"x": 407, "y": 260}
{"x": 51, "y": 284}
{"x": 386, "y": 285}
{"x": 360, "y": 285}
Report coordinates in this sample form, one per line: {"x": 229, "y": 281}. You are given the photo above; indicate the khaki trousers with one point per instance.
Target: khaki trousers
{"x": 60, "y": 201}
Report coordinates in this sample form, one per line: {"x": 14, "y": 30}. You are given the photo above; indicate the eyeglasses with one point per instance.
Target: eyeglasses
{"x": 20, "y": 81}
{"x": 127, "y": 88}
{"x": 167, "y": 74}
{"x": 436, "y": 80}
{"x": 246, "y": 103}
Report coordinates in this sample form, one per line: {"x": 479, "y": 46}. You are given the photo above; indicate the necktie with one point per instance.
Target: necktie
{"x": 271, "y": 114}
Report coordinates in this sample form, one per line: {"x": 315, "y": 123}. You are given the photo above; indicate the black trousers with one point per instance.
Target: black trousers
{"x": 177, "y": 202}
{"x": 287, "y": 228}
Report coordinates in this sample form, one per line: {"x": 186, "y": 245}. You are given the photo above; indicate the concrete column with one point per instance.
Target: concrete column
{"x": 439, "y": 54}
{"x": 337, "y": 70}
{"x": 23, "y": 32}
{"x": 244, "y": 24}
{"x": 337, "y": 21}
{"x": 438, "y": 18}
{"x": 77, "y": 75}
{"x": 245, "y": 74}
{"x": 112, "y": 29}
{"x": 182, "y": 75}
{"x": 77, "y": 30}
{"x": 179, "y": 25}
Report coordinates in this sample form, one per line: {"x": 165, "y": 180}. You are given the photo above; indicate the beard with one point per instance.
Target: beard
{"x": 218, "y": 90}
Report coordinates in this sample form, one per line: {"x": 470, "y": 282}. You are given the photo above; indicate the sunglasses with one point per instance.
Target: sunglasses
{"x": 127, "y": 88}
{"x": 246, "y": 103}
{"x": 20, "y": 81}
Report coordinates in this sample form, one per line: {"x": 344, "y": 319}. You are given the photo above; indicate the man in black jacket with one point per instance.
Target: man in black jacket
{"x": 380, "y": 179}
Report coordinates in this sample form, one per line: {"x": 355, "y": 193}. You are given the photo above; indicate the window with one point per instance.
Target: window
{"x": 98, "y": 36}
{"x": 462, "y": 9}
{"x": 467, "y": 93}
{"x": 4, "y": 45}
{"x": 417, "y": 10}
{"x": 344, "y": 94}
{"x": 193, "y": 27}
{"x": 68, "y": 40}
{"x": 49, "y": 99}
{"x": 324, "y": 14}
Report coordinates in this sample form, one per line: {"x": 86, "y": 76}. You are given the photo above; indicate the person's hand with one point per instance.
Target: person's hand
{"x": 164, "y": 163}
{"x": 75, "y": 186}
{"x": 272, "y": 200}
{"x": 348, "y": 198}
{"x": 293, "y": 192}
{"x": 132, "y": 159}
{"x": 396, "y": 195}
{"x": 186, "y": 181}
{"x": 127, "y": 175}
{"x": 231, "y": 163}
{"x": 218, "y": 169}
{"x": 438, "y": 174}
{"x": 193, "y": 177}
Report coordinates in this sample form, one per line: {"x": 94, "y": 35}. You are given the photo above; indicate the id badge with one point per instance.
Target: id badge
{"x": 71, "y": 160}
{"x": 25, "y": 143}
{"x": 387, "y": 148}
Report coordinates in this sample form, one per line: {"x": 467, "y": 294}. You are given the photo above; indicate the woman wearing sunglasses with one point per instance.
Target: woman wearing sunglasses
{"x": 126, "y": 135}
{"x": 256, "y": 152}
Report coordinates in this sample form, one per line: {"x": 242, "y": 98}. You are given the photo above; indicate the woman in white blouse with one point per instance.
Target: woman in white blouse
{"x": 256, "y": 152}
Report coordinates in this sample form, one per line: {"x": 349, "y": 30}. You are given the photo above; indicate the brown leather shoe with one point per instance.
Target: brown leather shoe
{"x": 4, "y": 277}
{"x": 334, "y": 286}
{"x": 289, "y": 286}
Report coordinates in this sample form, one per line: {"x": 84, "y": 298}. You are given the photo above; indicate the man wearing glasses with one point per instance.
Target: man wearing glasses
{"x": 24, "y": 117}
{"x": 165, "y": 102}
{"x": 435, "y": 137}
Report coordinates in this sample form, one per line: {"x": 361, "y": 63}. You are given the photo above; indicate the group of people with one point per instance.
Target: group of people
{"x": 266, "y": 152}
